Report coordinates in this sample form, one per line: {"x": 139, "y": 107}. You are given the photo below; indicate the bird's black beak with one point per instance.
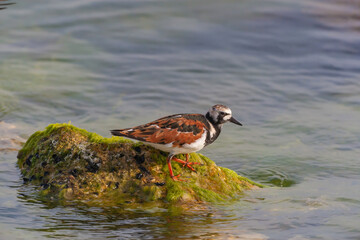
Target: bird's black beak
{"x": 233, "y": 120}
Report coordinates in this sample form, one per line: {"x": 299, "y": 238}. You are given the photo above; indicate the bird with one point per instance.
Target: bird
{"x": 181, "y": 133}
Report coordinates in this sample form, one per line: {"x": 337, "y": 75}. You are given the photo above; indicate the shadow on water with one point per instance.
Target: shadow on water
{"x": 4, "y": 4}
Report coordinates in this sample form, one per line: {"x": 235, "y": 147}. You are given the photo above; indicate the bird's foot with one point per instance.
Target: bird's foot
{"x": 186, "y": 163}
{"x": 177, "y": 179}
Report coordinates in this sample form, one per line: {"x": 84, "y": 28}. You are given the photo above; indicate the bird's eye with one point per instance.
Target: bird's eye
{"x": 222, "y": 113}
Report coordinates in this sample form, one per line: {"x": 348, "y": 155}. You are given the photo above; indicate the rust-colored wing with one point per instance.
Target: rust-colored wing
{"x": 177, "y": 129}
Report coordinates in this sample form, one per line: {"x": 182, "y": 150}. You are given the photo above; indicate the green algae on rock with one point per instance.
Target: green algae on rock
{"x": 70, "y": 163}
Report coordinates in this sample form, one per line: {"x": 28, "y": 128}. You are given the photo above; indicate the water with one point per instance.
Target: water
{"x": 289, "y": 70}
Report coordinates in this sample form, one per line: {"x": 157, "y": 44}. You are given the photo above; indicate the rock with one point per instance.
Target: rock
{"x": 70, "y": 163}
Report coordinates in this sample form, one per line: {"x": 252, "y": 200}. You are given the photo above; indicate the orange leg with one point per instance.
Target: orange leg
{"x": 175, "y": 178}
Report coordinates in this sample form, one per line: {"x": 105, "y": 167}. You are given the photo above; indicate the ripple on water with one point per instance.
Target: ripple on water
{"x": 10, "y": 141}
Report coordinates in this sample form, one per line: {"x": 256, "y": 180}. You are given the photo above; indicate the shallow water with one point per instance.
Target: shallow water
{"x": 289, "y": 70}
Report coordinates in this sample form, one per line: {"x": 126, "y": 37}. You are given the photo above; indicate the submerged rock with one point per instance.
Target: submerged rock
{"x": 70, "y": 163}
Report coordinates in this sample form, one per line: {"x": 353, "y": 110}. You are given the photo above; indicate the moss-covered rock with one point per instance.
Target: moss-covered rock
{"x": 71, "y": 163}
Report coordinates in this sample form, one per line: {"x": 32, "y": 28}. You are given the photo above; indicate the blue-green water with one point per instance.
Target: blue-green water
{"x": 290, "y": 71}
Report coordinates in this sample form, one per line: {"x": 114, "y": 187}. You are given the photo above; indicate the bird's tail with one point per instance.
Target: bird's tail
{"x": 118, "y": 132}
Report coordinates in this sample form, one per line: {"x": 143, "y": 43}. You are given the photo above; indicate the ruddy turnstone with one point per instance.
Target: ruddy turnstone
{"x": 181, "y": 133}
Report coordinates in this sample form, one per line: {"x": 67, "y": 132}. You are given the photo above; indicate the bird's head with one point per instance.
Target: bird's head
{"x": 220, "y": 114}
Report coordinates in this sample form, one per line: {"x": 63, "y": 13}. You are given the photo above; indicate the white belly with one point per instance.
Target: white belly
{"x": 186, "y": 148}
